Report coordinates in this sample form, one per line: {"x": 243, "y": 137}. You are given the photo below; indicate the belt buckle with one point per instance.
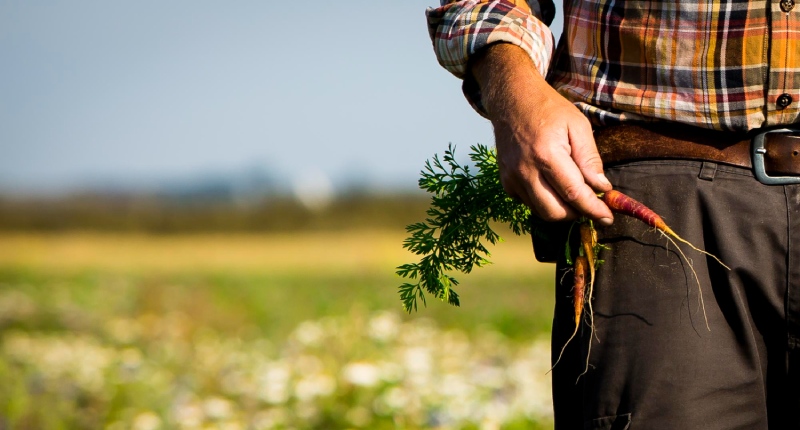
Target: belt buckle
{"x": 758, "y": 151}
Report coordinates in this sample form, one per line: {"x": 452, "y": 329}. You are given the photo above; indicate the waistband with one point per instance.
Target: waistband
{"x": 646, "y": 141}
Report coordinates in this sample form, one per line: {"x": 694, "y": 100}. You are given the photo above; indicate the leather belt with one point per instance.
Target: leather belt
{"x": 634, "y": 142}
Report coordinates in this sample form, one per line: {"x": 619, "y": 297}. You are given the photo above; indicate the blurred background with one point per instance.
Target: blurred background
{"x": 202, "y": 206}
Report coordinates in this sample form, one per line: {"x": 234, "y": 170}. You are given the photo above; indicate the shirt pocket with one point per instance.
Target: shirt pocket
{"x": 616, "y": 422}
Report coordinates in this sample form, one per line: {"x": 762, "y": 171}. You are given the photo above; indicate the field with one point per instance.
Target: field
{"x": 258, "y": 331}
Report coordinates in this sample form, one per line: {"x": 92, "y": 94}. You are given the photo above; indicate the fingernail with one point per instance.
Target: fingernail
{"x": 603, "y": 179}
{"x": 606, "y": 221}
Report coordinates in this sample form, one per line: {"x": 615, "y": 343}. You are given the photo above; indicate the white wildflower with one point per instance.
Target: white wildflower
{"x": 463, "y": 408}
{"x": 275, "y": 384}
{"x": 146, "y": 421}
{"x": 313, "y": 386}
{"x": 384, "y": 326}
{"x": 217, "y": 408}
{"x": 418, "y": 360}
{"x": 268, "y": 419}
{"x": 455, "y": 385}
{"x": 309, "y": 333}
{"x": 362, "y": 374}
{"x": 489, "y": 376}
{"x": 395, "y": 398}
{"x": 189, "y": 415}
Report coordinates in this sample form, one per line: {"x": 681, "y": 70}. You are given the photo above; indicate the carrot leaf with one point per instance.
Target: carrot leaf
{"x": 454, "y": 236}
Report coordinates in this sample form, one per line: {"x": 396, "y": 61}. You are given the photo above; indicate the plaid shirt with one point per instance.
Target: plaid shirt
{"x": 722, "y": 64}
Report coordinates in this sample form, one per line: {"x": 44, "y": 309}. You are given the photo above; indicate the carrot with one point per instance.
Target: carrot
{"x": 621, "y": 203}
{"x": 589, "y": 242}
{"x": 578, "y": 297}
{"x": 579, "y": 287}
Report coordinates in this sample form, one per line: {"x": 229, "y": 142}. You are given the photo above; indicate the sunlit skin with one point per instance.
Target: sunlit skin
{"x": 545, "y": 149}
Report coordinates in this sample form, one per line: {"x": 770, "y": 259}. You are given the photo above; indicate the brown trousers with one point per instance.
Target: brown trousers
{"x": 654, "y": 364}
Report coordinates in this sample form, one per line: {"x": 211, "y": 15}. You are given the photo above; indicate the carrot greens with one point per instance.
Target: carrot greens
{"x": 454, "y": 235}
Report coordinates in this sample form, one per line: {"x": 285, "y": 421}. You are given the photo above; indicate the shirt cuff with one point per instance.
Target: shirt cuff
{"x": 459, "y": 29}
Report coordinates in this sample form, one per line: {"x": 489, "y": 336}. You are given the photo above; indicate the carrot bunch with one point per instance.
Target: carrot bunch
{"x": 620, "y": 203}
{"x": 465, "y": 203}
{"x": 585, "y": 264}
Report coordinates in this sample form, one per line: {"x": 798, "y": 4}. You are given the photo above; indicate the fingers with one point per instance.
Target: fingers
{"x": 551, "y": 206}
{"x": 564, "y": 176}
{"x": 584, "y": 152}
{"x": 557, "y": 174}
{"x": 537, "y": 194}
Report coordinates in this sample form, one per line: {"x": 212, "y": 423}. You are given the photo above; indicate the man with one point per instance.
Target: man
{"x": 676, "y": 96}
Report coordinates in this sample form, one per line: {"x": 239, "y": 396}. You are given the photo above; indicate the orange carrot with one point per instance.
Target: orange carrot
{"x": 579, "y": 287}
{"x": 578, "y": 298}
{"x": 589, "y": 242}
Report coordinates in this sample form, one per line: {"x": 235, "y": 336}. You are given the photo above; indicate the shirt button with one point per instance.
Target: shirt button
{"x": 787, "y": 5}
{"x": 784, "y": 100}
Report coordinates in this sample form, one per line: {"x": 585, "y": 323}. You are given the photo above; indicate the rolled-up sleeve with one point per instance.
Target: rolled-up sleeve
{"x": 459, "y": 29}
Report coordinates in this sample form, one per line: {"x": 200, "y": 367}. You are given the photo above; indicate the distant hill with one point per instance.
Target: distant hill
{"x": 207, "y": 207}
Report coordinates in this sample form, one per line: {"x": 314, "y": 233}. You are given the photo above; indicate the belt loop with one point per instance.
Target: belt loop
{"x": 708, "y": 171}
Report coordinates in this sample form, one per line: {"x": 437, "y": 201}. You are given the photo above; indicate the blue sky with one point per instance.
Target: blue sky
{"x": 96, "y": 92}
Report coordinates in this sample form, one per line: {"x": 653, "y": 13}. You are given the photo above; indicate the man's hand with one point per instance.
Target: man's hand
{"x": 545, "y": 148}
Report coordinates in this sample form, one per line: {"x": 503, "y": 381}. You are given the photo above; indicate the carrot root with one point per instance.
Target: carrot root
{"x": 701, "y": 303}
{"x": 626, "y": 205}
{"x": 578, "y": 299}
{"x": 669, "y": 232}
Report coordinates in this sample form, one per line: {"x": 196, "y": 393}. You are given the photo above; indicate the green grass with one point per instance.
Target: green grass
{"x": 99, "y": 343}
{"x": 516, "y": 306}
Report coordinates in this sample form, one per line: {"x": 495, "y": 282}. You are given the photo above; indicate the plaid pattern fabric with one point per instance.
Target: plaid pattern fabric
{"x": 460, "y": 28}
{"x": 721, "y": 64}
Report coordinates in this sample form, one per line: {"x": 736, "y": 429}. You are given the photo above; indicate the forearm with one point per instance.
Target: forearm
{"x": 503, "y": 71}
{"x": 545, "y": 149}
